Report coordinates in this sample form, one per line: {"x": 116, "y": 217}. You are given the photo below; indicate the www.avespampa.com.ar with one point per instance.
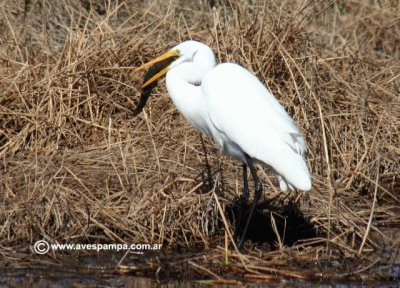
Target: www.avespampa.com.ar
{"x": 43, "y": 247}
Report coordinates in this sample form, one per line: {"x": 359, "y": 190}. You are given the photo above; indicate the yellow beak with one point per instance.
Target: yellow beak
{"x": 158, "y": 66}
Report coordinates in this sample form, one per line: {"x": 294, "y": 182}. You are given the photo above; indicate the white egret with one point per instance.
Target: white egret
{"x": 232, "y": 106}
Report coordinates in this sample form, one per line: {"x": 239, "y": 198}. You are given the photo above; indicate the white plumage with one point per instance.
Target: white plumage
{"x": 232, "y": 106}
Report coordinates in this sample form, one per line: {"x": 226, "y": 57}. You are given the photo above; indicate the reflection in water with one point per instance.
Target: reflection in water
{"x": 95, "y": 271}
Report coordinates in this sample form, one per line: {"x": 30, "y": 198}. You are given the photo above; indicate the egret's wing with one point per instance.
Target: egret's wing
{"x": 247, "y": 114}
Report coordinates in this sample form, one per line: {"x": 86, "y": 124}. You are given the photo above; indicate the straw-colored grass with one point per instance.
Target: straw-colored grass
{"x": 76, "y": 167}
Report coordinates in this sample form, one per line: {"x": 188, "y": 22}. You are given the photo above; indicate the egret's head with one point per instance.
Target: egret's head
{"x": 188, "y": 52}
{"x": 183, "y": 53}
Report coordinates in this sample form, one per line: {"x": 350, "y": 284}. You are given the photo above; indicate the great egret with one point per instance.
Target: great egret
{"x": 232, "y": 106}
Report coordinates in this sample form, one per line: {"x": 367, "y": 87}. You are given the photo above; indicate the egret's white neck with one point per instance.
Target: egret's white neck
{"x": 183, "y": 84}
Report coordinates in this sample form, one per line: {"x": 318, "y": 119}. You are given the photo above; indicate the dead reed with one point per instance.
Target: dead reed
{"x": 76, "y": 167}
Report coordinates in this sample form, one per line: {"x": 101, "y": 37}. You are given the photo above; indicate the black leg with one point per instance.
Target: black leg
{"x": 208, "y": 183}
{"x": 245, "y": 195}
{"x": 242, "y": 203}
{"x": 257, "y": 194}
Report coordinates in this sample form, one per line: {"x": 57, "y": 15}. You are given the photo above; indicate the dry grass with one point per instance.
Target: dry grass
{"x": 76, "y": 167}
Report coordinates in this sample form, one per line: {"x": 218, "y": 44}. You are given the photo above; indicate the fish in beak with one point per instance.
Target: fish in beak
{"x": 157, "y": 68}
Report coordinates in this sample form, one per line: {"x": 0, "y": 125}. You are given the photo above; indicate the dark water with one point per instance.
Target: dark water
{"x": 42, "y": 277}
{"x": 51, "y": 277}
{"x": 69, "y": 276}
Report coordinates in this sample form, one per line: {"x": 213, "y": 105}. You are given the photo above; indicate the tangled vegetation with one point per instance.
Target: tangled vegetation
{"x": 76, "y": 167}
